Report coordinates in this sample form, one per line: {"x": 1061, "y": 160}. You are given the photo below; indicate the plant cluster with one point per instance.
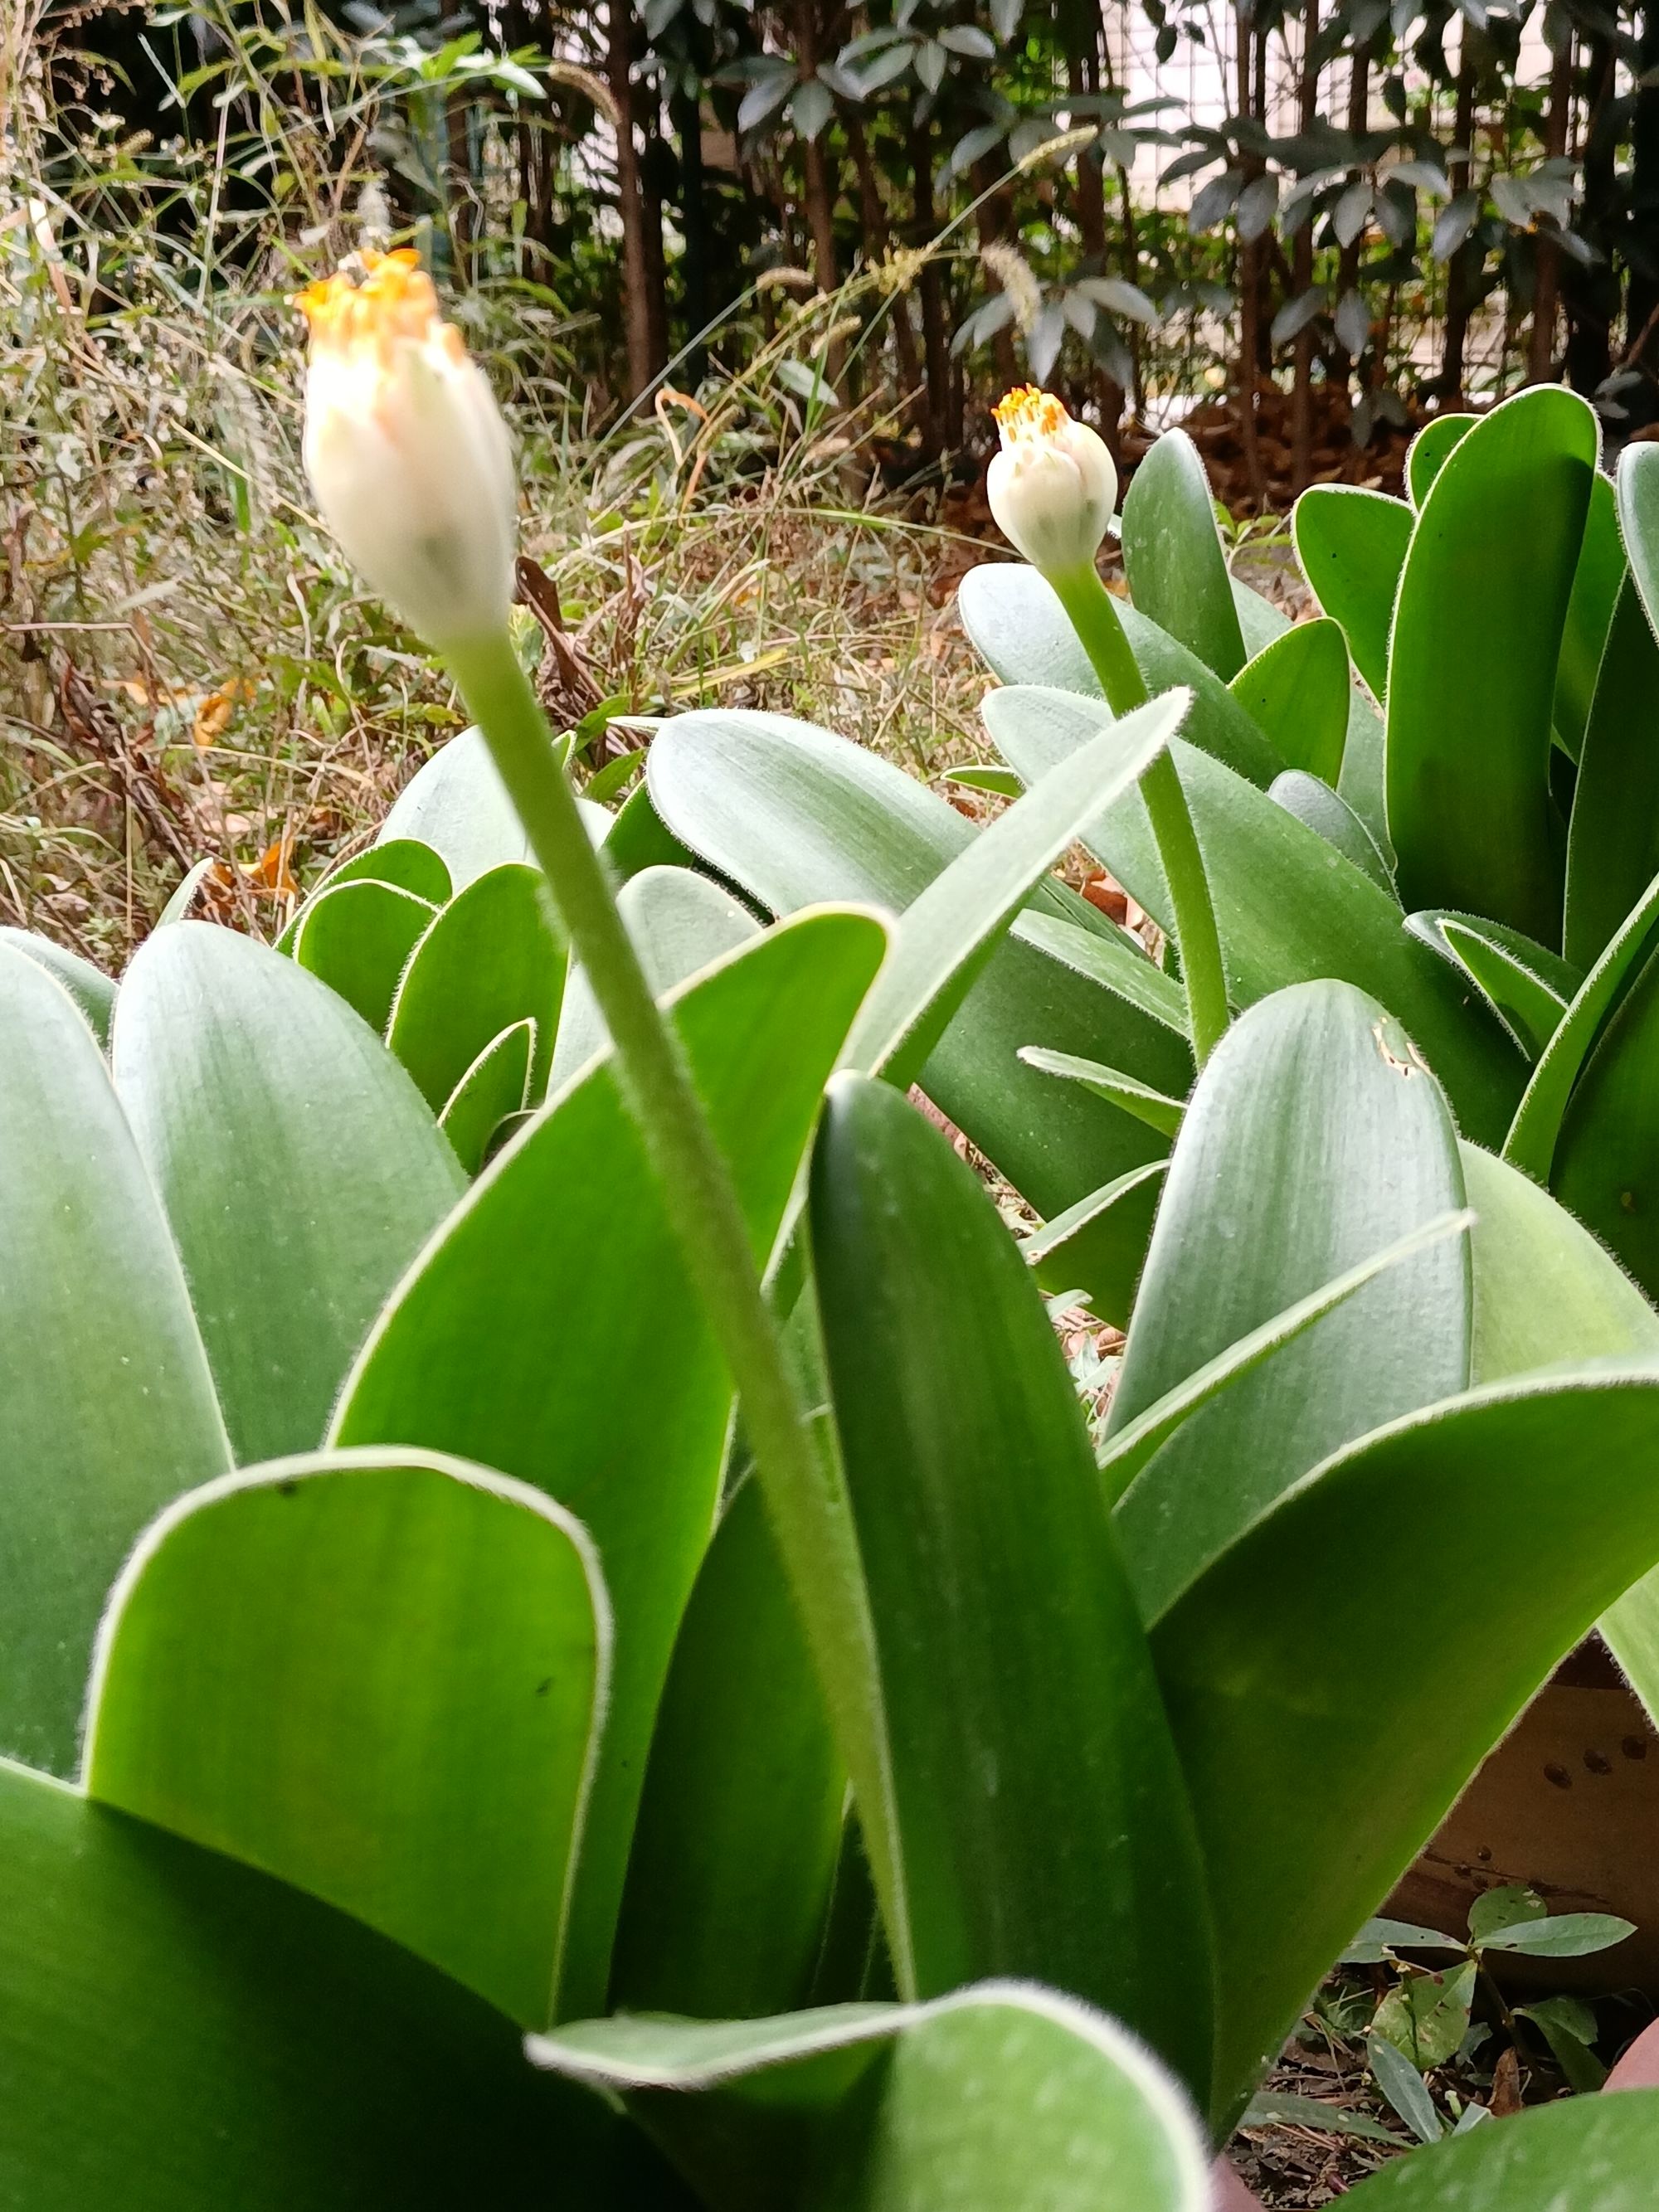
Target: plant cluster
{"x": 572, "y": 1641}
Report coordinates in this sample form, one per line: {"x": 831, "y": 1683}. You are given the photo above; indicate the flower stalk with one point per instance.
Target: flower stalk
{"x": 1052, "y": 488}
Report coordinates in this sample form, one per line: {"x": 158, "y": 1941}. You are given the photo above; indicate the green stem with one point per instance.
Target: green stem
{"x": 702, "y": 1208}
{"x": 1088, "y": 604}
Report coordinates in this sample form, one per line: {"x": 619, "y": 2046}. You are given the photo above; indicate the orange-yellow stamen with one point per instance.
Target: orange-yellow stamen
{"x": 390, "y": 300}
{"x": 1028, "y": 412}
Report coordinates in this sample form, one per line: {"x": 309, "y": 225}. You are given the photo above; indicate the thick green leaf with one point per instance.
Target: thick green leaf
{"x": 1363, "y": 783}
{"x": 109, "y": 1407}
{"x": 382, "y": 1680}
{"x": 1172, "y": 554}
{"x": 1259, "y": 621}
{"x": 179, "y": 2033}
{"x": 494, "y": 1089}
{"x": 457, "y": 804}
{"x": 947, "y": 934}
{"x": 1597, "y": 585}
{"x": 1312, "y": 1788}
{"x": 357, "y": 937}
{"x": 1527, "y": 986}
{"x": 1119, "y": 964}
{"x": 1001, "y": 2095}
{"x": 638, "y": 838}
{"x": 1352, "y": 545}
{"x": 1042, "y": 1829}
{"x": 1606, "y": 1167}
{"x": 740, "y": 1823}
{"x": 550, "y": 1331}
{"x": 1297, "y": 690}
{"x": 1584, "y": 2154}
{"x": 1313, "y": 1140}
{"x": 493, "y": 958}
{"x": 404, "y": 862}
{"x": 679, "y": 923}
{"x": 91, "y": 989}
{"x": 1431, "y": 449}
{"x": 1017, "y": 625}
{"x": 1098, "y": 1246}
{"x": 1612, "y": 839}
{"x": 1329, "y": 816}
{"x": 1535, "y": 1131}
{"x": 1134, "y": 1444}
{"x": 179, "y": 905}
{"x": 1155, "y": 1108}
{"x": 1288, "y": 908}
{"x": 795, "y": 815}
{"x": 1477, "y": 633}
{"x": 299, "y": 1170}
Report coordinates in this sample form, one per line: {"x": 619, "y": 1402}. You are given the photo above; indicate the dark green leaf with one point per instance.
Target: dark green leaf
{"x": 1527, "y": 986}
{"x": 1098, "y": 1246}
{"x": 1313, "y": 2113}
{"x": 495, "y": 1087}
{"x": 740, "y": 1821}
{"x": 1431, "y": 449}
{"x": 1612, "y": 839}
{"x": 1404, "y": 2087}
{"x": 1329, "y": 816}
{"x": 1001, "y": 2095}
{"x": 380, "y": 1678}
{"x": 1297, "y": 692}
{"x": 1172, "y": 552}
{"x": 1313, "y": 1140}
{"x": 1586, "y": 2154}
{"x": 1042, "y": 1828}
{"x": 492, "y": 959}
{"x": 1563, "y": 1935}
{"x": 1597, "y": 585}
{"x": 357, "y": 937}
{"x": 1352, "y": 545}
{"x": 1157, "y": 1110}
{"x": 1477, "y": 632}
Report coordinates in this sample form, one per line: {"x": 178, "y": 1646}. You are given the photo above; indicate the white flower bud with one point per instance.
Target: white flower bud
{"x": 407, "y": 452}
{"x": 1053, "y": 486}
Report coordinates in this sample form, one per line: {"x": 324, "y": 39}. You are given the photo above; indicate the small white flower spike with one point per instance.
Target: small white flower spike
{"x": 1053, "y": 486}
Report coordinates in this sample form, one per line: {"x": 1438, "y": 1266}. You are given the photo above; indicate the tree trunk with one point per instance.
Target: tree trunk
{"x": 1591, "y": 296}
{"x": 645, "y": 359}
{"x": 685, "y": 111}
{"x": 994, "y": 224}
{"x": 1250, "y": 276}
{"x": 820, "y": 186}
{"x": 1460, "y": 270}
{"x": 1546, "y": 279}
{"x": 1642, "y": 298}
{"x": 1347, "y": 266}
{"x": 1302, "y": 389}
{"x": 1083, "y": 34}
{"x": 877, "y": 238}
{"x": 934, "y": 340}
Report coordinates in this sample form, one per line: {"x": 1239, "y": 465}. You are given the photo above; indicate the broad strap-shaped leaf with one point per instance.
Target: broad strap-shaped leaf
{"x": 492, "y": 958}
{"x": 1155, "y": 1108}
{"x": 404, "y": 862}
{"x": 179, "y": 2033}
{"x": 1042, "y": 1826}
{"x": 1098, "y": 1246}
{"x": 1015, "y": 623}
{"x": 1430, "y": 451}
{"x": 1352, "y": 547}
{"x": 299, "y": 1168}
{"x": 109, "y": 1405}
{"x": 1545, "y": 1291}
{"x": 1259, "y": 620}
{"x": 1297, "y": 691}
{"x": 1315, "y": 1138}
{"x": 1535, "y": 1131}
{"x": 639, "y": 838}
{"x": 457, "y": 803}
{"x": 1613, "y": 839}
{"x": 1527, "y": 986}
{"x": 1288, "y": 908}
{"x": 740, "y": 1823}
{"x": 1329, "y": 816}
{"x": 1472, "y": 659}
{"x": 91, "y": 989}
{"x": 357, "y": 937}
{"x": 1314, "y": 1788}
{"x": 946, "y": 935}
{"x": 1597, "y": 581}
{"x": 493, "y": 1089}
{"x": 550, "y": 1331}
{"x": 794, "y": 816}
{"x": 380, "y": 1678}
{"x": 679, "y": 922}
{"x": 1172, "y": 554}
{"x": 1002, "y": 2094}
{"x": 1583, "y": 2155}
{"x": 1605, "y": 1166}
